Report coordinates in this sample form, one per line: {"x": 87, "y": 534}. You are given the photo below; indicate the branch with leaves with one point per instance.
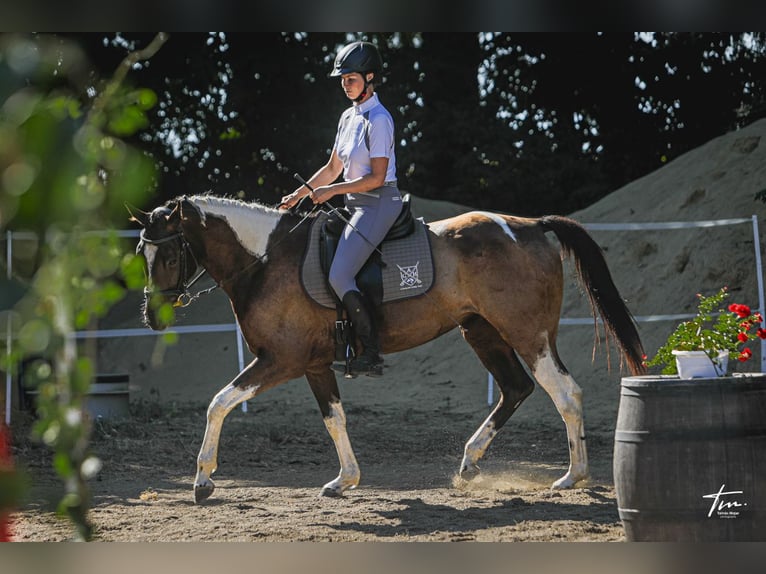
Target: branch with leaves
{"x": 70, "y": 194}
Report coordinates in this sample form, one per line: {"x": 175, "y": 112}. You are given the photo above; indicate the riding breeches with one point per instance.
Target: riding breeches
{"x": 372, "y": 215}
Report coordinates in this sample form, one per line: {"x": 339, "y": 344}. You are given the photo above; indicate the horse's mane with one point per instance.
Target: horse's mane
{"x": 219, "y": 204}
{"x": 252, "y": 222}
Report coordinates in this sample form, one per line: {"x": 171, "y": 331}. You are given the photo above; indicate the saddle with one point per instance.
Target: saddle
{"x": 404, "y": 270}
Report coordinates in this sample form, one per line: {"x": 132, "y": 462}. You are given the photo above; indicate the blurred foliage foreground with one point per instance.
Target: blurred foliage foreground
{"x": 66, "y": 171}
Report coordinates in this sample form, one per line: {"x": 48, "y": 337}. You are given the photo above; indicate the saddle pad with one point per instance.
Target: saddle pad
{"x": 408, "y": 270}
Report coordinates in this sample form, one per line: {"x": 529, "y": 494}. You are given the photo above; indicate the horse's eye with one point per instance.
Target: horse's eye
{"x": 172, "y": 262}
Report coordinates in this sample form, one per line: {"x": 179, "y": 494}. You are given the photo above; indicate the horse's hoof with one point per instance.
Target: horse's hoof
{"x": 469, "y": 472}
{"x": 566, "y": 482}
{"x": 203, "y": 492}
{"x": 331, "y": 492}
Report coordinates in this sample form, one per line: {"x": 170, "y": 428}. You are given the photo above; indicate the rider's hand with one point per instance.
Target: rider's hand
{"x": 289, "y": 201}
{"x": 322, "y": 194}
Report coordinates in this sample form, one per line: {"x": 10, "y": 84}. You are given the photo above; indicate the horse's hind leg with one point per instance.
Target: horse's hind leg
{"x": 567, "y": 396}
{"x": 514, "y": 383}
{"x": 325, "y": 389}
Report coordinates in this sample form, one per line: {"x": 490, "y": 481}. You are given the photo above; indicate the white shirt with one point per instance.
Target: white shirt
{"x": 362, "y": 125}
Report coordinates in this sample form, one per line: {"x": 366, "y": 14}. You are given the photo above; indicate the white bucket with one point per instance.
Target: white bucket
{"x": 108, "y": 397}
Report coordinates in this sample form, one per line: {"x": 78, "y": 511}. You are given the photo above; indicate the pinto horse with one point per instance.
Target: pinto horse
{"x": 496, "y": 277}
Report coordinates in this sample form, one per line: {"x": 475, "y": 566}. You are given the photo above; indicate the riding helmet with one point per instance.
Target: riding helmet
{"x": 360, "y": 57}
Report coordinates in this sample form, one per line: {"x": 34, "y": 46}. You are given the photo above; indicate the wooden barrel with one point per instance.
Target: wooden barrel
{"x": 690, "y": 458}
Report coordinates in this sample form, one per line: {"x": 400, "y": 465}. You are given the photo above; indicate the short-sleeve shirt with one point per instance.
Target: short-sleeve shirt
{"x": 365, "y": 131}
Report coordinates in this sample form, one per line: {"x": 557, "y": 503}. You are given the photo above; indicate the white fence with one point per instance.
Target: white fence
{"x": 234, "y": 327}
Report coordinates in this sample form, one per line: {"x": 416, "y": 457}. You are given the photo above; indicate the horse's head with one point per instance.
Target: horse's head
{"x": 170, "y": 263}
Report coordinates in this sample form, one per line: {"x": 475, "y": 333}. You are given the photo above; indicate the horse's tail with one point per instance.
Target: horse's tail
{"x": 594, "y": 274}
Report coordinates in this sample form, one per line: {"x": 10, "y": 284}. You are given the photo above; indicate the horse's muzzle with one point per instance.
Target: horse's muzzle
{"x": 158, "y": 309}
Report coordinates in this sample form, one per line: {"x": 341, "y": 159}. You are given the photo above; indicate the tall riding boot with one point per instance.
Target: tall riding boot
{"x": 368, "y": 362}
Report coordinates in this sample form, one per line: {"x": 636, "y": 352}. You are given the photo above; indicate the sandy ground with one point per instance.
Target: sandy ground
{"x": 408, "y": 428}
{"x": 274, "y": 460}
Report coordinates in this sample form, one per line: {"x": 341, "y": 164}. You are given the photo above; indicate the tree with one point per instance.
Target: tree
{"x": 592, "y": 112}
{"x": 529, "y": 123}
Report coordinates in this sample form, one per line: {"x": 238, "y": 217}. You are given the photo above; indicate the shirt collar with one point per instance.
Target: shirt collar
{"x": 368, "y": 105}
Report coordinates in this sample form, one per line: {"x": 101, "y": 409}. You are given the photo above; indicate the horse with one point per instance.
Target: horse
{"x": 497, "y": 278}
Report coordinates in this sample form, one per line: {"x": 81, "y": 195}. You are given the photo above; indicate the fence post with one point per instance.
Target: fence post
{"x": 490, "y": 389}
{"x": 240, "y": 358}
{"x": 9, "y": 339}
{"x": 759, "y": 277}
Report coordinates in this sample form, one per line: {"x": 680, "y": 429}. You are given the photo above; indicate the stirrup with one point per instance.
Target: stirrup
{"x": 361, "y": 365}
{"x": 344, "y": 369}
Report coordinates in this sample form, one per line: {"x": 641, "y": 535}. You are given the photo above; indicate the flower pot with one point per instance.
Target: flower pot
{"x": 688, "y": 458}
{"x": 698, "y": 365}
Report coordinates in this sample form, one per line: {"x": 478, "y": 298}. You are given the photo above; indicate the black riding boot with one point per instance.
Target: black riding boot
{"x": 369, "y": 361}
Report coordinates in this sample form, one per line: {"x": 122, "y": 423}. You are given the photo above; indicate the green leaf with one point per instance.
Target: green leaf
{"x": 128, "y": 121}
{"x": 63, "y": 465}
{"x": 145, "y": 98}
{"x": 133, "y": 271}
{"x": 170, "y": 338}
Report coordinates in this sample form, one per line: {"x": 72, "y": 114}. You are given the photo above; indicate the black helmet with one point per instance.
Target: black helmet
{"x": 360, "y": 57}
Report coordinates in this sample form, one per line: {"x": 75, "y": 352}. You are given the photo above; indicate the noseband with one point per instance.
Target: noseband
{"x": 181, "y": 292}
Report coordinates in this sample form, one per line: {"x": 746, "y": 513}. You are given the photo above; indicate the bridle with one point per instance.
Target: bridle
{"x": 181, "y": 292}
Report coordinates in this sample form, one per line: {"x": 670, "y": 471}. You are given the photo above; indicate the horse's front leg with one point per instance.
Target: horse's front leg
{"x": 221, "y": 405}
{"x": 325, "y": 389}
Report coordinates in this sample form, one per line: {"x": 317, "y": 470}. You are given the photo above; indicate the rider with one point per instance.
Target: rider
{"x": 364, "y": 153}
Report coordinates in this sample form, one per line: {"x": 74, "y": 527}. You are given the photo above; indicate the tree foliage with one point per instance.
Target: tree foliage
{"x": 528, "y": 123}
{"x": 66, "y": 175}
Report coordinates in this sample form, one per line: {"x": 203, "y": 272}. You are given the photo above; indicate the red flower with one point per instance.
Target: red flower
{"x": 742, "y": 311}
{"x": 761, "y": 333}
{"x": 746, "y": 354}
{"x": 743, "y": 337}
{"x": 5, "y": 528}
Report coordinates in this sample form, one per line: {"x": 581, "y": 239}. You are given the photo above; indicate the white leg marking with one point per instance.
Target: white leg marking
{"x": 501, "y": 222}
{"x": 567, "y": 396}
{"x": 349, "y": 469}
{"x": 207, "y": 460}
{"x": 476, "y": 446}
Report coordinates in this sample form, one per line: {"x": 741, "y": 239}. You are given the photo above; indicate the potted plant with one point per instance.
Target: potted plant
{"x": 703, "y": 345}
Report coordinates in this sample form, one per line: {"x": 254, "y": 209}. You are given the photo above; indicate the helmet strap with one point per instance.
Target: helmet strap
{"x": 363, "y": 94}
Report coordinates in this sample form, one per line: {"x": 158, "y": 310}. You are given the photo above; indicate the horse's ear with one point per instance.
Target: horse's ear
{"x": 140, "y": 217}
{"x": 189, "y": 211}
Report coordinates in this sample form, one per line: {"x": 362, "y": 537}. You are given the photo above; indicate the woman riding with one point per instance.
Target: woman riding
{"x": 364, "y": 153}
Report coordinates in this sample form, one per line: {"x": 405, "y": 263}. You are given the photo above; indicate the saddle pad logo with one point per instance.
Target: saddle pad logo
{"x": 409, "y": 277}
